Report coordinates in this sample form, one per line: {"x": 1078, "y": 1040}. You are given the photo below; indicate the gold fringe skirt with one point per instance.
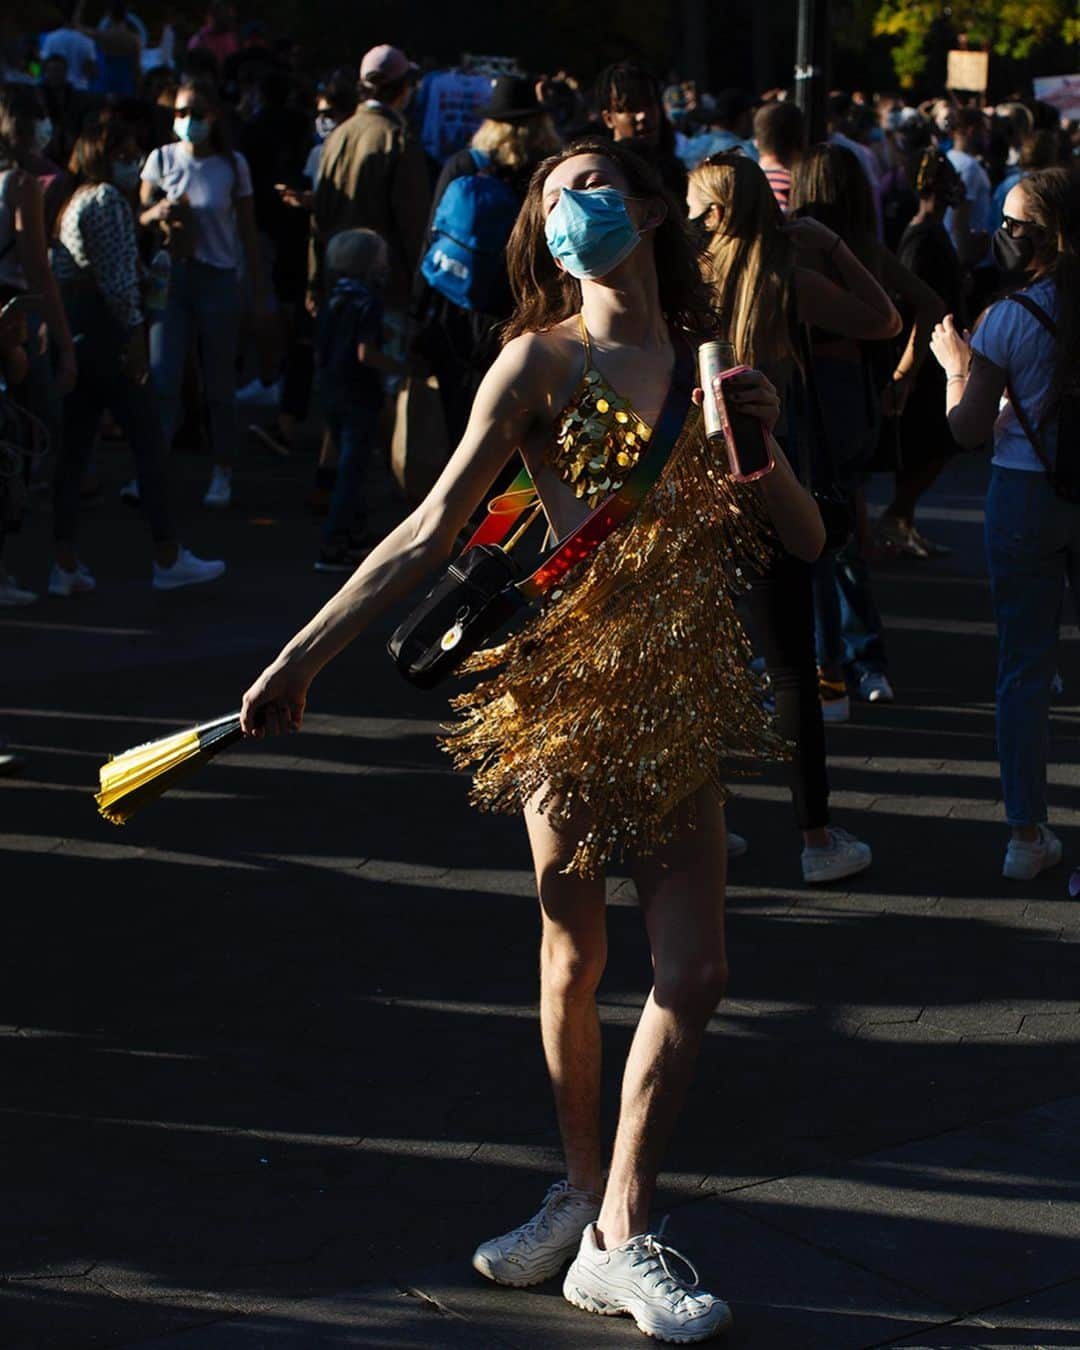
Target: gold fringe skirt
{"x": 630, "y": 688}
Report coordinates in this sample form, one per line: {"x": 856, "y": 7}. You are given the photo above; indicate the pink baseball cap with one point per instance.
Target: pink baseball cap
{"x": 384, "y": 64}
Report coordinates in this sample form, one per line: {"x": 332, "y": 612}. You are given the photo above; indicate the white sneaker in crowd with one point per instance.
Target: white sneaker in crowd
{"x": 737, "y": 846}
{"x": 129, "y": 493}
{"x": 62, "y": 582}
{"x": 540, "y": 1248}
{"x": 219, "y": 493}
{"x": 1024, "y": 861}
{"x": 187, "y": 570}
{"x": 259, "y": 395}
{"x": 874, "y": 687}
{"x": 11, "y": 593}
{"x": 640, "y": 1278}
{"x": 843, "y": 857}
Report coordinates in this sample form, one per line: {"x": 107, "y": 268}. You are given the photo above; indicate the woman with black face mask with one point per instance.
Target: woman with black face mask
{"x": 1026, "y": 347}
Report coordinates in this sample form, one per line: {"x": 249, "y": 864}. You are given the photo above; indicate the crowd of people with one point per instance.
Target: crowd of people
{"x": 195, "y": 230}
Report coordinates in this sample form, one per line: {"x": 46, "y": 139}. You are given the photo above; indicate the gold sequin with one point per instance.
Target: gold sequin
{"x": 595, "y": 429}
{"x": 631, "y": 689}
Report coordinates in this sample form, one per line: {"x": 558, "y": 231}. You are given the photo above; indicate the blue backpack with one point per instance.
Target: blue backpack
{"x": 469, "y": 234}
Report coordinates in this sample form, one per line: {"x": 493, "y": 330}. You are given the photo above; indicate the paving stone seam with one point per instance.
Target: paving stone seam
{"x": 979, "y": 1315}
{"x": 444, "y": 1310}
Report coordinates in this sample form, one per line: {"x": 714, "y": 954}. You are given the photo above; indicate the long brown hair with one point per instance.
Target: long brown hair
{"x": 749, "y": 260}
{"x": 830, "y": 185}
{"x": 1053, "y": 203}
{"x": 544, "y": 295}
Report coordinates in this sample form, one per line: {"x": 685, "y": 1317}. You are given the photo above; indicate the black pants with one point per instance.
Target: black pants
{"x": 779, "y": 612}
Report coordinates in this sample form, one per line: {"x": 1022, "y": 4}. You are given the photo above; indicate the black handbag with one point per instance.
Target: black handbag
{"x": 483, "y": 588}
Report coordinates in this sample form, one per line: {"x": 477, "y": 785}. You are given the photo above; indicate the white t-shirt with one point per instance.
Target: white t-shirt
{"x": 211, "y": 184}
{"x": 1018, "y": 343}
{"x": 76, "y": 49}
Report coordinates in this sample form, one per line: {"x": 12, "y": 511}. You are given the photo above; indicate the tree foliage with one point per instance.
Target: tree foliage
{"x": 1009, "y": 27}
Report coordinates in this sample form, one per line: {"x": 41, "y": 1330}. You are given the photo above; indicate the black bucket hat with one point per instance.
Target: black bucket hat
{"x": 512, "y": 99}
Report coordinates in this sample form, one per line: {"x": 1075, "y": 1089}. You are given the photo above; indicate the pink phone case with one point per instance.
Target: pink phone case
{"x": 729, "y": 437}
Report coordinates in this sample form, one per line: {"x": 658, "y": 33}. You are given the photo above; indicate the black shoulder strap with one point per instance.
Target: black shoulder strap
{"x": 1036, "y": 311}
{"x": 1030, "y": 431}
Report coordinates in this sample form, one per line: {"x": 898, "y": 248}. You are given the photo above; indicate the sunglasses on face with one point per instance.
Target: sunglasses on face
{"x": 1014, "y": 227}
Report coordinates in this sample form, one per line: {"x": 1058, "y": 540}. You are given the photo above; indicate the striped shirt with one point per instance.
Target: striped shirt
{"x": 779, "y": 180}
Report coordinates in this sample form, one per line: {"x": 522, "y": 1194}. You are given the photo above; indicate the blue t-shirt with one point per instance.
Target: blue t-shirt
{"x": 1018, "y": 344}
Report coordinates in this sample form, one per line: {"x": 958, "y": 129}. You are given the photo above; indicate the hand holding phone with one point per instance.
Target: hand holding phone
{"x": 746, "y": 438}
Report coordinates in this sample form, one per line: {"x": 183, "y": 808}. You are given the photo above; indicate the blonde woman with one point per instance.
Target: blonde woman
{"x": 459, "y": 340}
{"x": 762, "y": 293}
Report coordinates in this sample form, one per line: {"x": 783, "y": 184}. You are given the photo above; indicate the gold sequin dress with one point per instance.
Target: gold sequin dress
{"x": 630, "y": 687}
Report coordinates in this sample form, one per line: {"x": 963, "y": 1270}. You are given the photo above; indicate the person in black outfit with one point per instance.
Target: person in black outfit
{"x": 630, "y": 100}
{"x": 925, "y": 440}
{"x": 460, "y": 344}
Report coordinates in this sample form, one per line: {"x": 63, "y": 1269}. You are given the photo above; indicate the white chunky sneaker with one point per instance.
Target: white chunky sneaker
{"x": 1024, "y": 861}
{"x": 874, "y": 687}
{"x": 62, "y": 582}
{"x": 187, "y": 570}
{"x": 540, "y": 1248}
{"x": 219, "y": 493}
{"x": 638, "y": 1278}
{"x": 844, "y": 857}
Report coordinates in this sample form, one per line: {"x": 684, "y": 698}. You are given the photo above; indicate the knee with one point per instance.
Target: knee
{"x": 692, "y": 988}
{"x": 571, "y": 971}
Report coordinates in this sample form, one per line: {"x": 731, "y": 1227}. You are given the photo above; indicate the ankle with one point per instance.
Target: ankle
{"x": 1027, "y": 834}
{"x": 818, "y": 838}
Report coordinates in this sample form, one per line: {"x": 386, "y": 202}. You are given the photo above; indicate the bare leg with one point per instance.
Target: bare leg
{"x": 573, "y": 953}
{"x": 681, "y": 890}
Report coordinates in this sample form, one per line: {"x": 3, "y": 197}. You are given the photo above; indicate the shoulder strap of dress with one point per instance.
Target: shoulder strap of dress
{"x": 585, "y": 341}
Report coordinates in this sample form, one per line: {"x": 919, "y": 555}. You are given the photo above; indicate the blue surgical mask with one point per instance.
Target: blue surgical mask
{"x": 324, "y": 125}
{"x": 194, "y": 130}
{"x": 125, "y": 174}
{"x": 591, "y": 233}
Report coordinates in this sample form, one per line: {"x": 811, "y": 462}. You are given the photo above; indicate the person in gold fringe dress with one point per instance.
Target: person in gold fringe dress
{"x": 610, "y": 719}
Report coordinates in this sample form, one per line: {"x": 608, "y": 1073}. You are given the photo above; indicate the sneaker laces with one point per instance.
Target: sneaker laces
{"x": 842, "y": 837}
{"x": 559, "y": 1194}
{"x": 652, "y": 1252}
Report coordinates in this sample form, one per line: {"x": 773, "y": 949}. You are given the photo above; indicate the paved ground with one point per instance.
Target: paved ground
{"x": 269, "y": 1057}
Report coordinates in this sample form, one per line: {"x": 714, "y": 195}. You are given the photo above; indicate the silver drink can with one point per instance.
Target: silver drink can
{"x": 713, "y": 359}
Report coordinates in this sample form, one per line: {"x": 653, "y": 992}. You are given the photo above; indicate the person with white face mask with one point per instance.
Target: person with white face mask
{"x": 96, "y": 262}
{"x": 199, "y": 190}
{"x": 605, "y": 718}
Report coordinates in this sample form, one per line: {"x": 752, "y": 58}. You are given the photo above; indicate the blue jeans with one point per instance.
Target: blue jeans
{"x": 353, "y": 423}
{"x": 1032, "y": 548}
{"x": 847, "y": 624}
{"x": 204, "y": 300}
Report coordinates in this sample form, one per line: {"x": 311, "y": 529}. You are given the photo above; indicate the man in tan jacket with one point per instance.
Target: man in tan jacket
{"x": 373, "y": 175}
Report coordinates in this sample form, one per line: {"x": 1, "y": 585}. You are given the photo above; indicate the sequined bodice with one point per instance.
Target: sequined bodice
{"x": 598, "y": 437}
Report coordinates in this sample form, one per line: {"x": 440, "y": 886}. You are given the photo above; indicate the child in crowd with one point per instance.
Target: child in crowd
{"x": 351, "y": 367}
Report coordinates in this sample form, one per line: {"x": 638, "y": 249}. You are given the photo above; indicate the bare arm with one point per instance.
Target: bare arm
{"x": 929, "y": 308}
{"x": 973, "y": 385}
{"x": 858, "y": 307}
{"x": 32, "y": 252}
{"x": 511, "y": 397}
{"x": 794, "y": 513}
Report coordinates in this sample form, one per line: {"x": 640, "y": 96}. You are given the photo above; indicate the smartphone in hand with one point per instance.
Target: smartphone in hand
{"x": 749, "y": 450}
